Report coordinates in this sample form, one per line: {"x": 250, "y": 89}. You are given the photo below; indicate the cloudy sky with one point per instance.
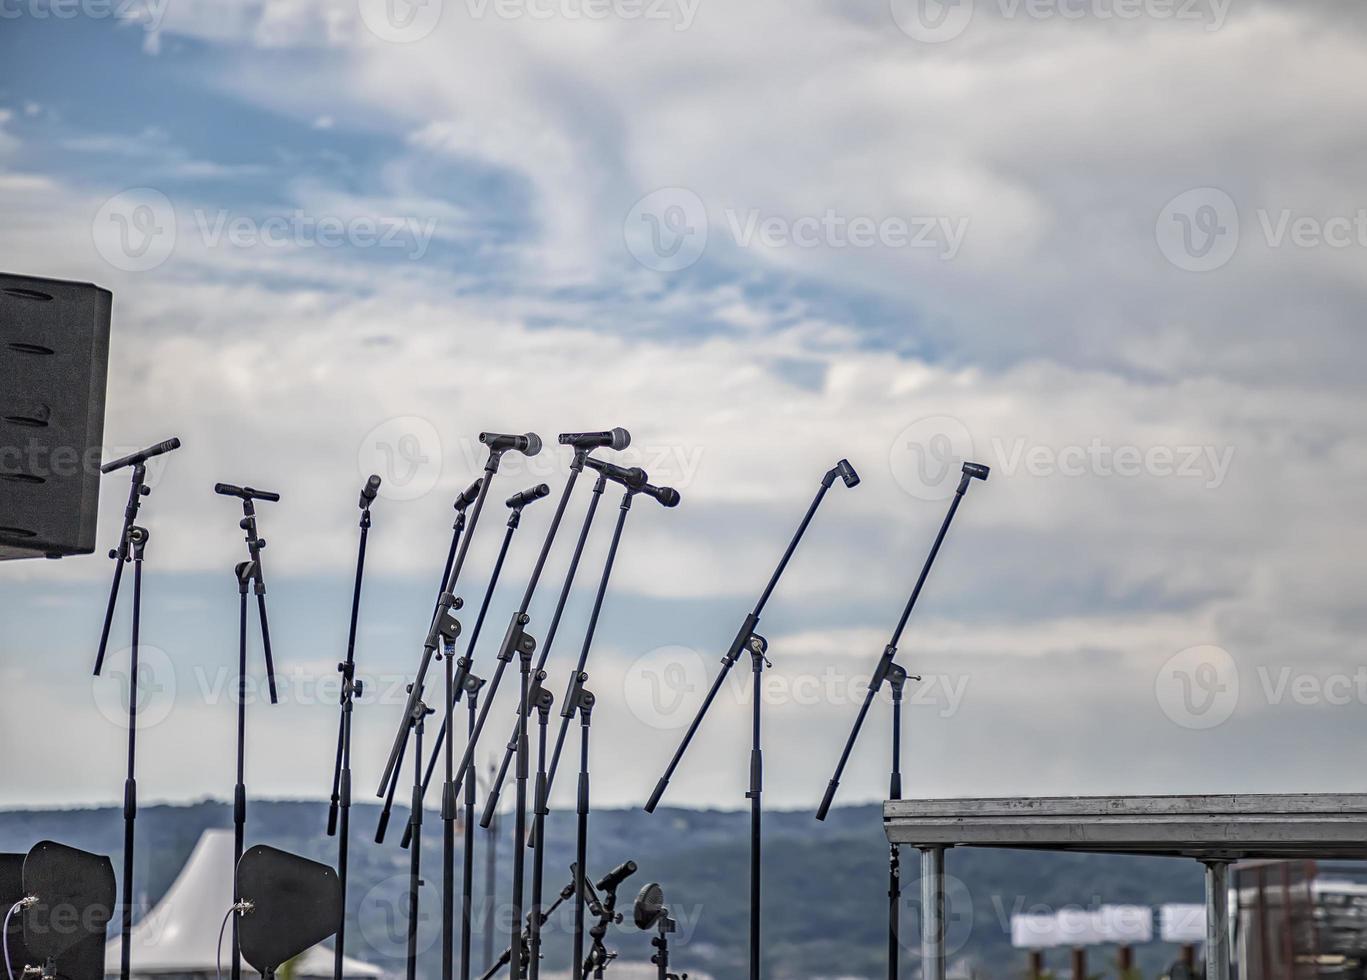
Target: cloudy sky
{"x": 1113, "y": 249}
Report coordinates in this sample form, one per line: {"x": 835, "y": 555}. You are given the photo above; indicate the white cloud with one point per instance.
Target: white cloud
{"x": 8, "y": 142}
{"x": 1059, "y": 328}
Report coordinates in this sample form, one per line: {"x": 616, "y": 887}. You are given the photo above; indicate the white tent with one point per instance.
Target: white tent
{"x": 179, "y": 936}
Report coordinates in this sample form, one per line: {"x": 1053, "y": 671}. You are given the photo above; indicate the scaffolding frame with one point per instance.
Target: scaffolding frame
{"x": 1216, "y": 830}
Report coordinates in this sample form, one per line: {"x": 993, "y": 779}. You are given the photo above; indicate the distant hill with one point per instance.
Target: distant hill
{"x": 825, "y": 887}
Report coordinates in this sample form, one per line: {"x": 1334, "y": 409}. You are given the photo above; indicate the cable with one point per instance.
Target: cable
{"x": 218, "y": 950}
{"x": 4, "y": 931}
{"x": 23, "y": 903}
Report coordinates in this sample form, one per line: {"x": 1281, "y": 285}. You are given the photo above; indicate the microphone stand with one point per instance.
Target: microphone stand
{"x": 520, "y": 817}
{"x": 132, "y": 547}
{"x": 490, "y": 897}
{"x": 541, "y": 699}
{"x": 473, "y": 685}
{"x": 491, "y": 800}
{"x": 351, "y": 691}
{"x": 664, "y": 925}
{"x": 748, "y": 641}
{"x": 441, "y": 741}
{"x": 457, "y": 529}
{"x": 517, "y": 641}
{"x": 516, "y": 636}
{"x": 248, "y": 573}
{"x": 577, "y": 677}
{"x": 415, "y": 691}
{"x": 579, "y": 699}
{"x": 445, "y": 629}
{"x": 567, "y": 707}
{"x": 416, "y": 722}
{"x": 457, "y": 671}
{"x": 507, "y": 956}
{"x": 896, "y": 676}
{"x": 605, "y": 909}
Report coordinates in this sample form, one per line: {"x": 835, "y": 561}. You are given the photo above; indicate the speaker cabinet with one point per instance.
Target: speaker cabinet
{"x": 54, "y": 358}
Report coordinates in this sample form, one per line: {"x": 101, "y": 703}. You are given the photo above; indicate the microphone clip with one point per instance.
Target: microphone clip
{"x": 517, "y": 641}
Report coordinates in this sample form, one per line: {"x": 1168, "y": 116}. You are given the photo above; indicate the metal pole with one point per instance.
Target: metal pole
{"x": 468, "y": 869}
{"x": 895, "y": 850}
{"x": 756, "y": 794}
{"x": 932, "y": 913}
{"x": 1079, "y": 960}
{"x": 240, "y": 789}
{"x": 490, "y": 874}
{"x": 1217, "y": 920}
{"x": 130, "y": 785}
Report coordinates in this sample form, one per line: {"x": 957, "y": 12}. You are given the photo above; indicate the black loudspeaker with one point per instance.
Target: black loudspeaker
{"x": 296, "y": 904}
{"x": 75, "y": 893}
{"x": 54, "y": 358}
{"x": 11, "y": 890}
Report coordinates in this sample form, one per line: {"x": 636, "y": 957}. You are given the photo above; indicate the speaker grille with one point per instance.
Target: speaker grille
{"x": 54, "y": 353}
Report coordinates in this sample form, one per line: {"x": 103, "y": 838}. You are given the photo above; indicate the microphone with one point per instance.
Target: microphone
{"x": 667, "y": 496}
{"x": 468, "y": 497}
{"x": 633, "y": 479}
{"x": 845, "y": 471}
{"x": 976, "y": 471}
{"x": 532, "y": 494}
{"x": 618, "y": 439}
{"x": 142, "y": 456}
{"x": 370, "y": 491}
{"x": 616, "y": 876}
{"x": 528, "y": 445}
{"x": 246, "y": 493}
{"x": 649, "y": 904}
